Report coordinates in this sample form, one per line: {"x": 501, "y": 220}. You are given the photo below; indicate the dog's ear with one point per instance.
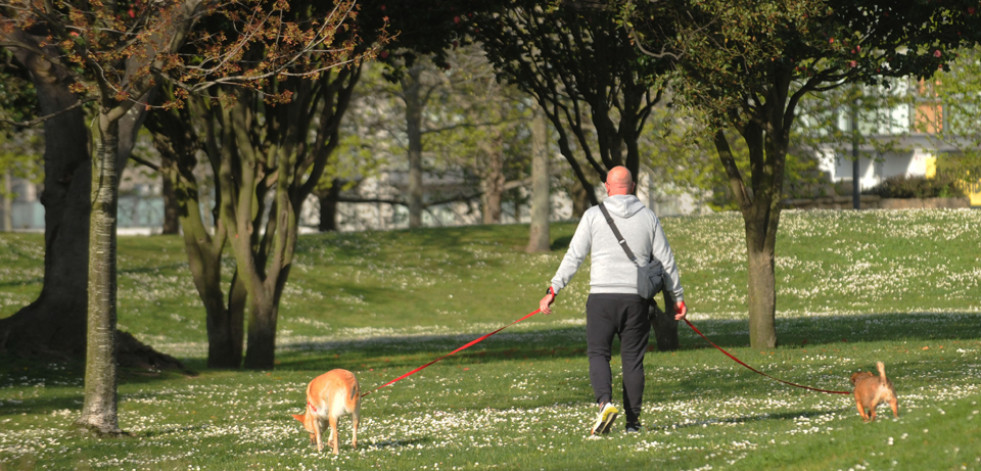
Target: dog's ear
{"x": 299, "y": 417}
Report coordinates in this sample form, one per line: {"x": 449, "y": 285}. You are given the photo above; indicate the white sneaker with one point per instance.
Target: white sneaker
{"x": 604, "y": 422}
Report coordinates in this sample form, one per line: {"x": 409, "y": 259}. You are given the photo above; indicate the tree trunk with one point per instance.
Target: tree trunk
{"x": 539, "y": 237}
{"x": 261, "y": 237}
{"x": 263, "y": 242}
{"x": 99, "y": 408}
{"x": 263, "y": 316}
{"x": 760, "y": 209}
{"x": 413, "y": 122}
{"x": 8, "y": 222}
{"x": 492, "y": 180}
{"x": 54, "y": 324}
{"x": 762, "y": 283}
{"x": 491, "y": 200}
{"x": 263, "y": 291}
{"x": 581, "y": 200}
{"x": 762, "y": 300}
{"x": 224, "y": 325}
{"x": 177, "y": 144}
{"x": 278, "y": 246}
{"x": 664, "y": 325}
{"x": 328, "y": 207}
{"x": 171, "y": 218}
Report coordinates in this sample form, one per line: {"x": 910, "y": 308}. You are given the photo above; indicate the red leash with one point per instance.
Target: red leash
{"x": 454, "y": 352}
{"x": 485, "y": 336}
{"x": 758, "y": 371}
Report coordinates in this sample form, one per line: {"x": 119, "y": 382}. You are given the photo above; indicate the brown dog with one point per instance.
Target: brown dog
{"x": 330, "y": 396}
{"x": 870, "y": 390}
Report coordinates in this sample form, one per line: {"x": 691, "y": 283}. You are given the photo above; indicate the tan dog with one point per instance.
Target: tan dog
{"x": 329, "y": 396}
{"x": 871, "y": 390}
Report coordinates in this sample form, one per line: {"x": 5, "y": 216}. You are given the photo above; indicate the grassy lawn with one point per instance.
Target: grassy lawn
{"x": 853, "y": 288}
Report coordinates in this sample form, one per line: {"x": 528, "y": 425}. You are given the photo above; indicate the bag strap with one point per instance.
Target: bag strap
{"x": 616, "y": 233}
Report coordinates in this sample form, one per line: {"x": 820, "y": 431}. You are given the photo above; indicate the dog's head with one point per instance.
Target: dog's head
{"x": 860, "y": 375}
{"x": 307, "y": 421}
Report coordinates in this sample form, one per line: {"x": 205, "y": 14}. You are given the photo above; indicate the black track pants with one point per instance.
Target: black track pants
{"x": 625, "y": 315}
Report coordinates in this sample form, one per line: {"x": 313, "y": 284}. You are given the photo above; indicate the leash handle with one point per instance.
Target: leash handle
{"x": 758, "y": 371}
{"x": 454, "y": 352}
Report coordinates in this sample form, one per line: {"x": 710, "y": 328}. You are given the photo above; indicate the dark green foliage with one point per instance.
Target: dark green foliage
{"x": 943, "y": 186}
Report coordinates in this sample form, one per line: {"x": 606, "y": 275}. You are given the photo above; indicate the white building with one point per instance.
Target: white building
{"x": 898, "y": 140}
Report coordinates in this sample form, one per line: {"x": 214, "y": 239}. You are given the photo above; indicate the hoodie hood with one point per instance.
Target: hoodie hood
{"x": 623, "y": 206}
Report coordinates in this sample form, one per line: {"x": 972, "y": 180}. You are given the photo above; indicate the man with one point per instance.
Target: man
{"x": 614, "y": 306}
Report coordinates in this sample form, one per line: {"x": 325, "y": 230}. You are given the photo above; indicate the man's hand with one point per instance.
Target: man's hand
{"x": 545, "y": 303}
{"x": 680, "y": 311}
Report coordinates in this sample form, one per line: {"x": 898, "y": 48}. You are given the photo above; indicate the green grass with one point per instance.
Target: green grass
{"x": 854, "y": 287}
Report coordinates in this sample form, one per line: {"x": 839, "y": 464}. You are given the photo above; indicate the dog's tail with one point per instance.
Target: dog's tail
{"x": 882, "y": 370}
{"x": 355, "y": 391}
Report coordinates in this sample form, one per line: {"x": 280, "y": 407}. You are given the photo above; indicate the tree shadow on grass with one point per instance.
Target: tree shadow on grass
{"x": 9, "y": 284}
{"x": 407, "y": 352}
{"x": 570, "y": 342}
{"x": 837, "y": 329}
{"x": 48, "y": 402}
{"x": 412, "y": 351}
{"x": 395, "y": 443}
{"x": 779, "y": 416}
{"x": 440, "y": 244}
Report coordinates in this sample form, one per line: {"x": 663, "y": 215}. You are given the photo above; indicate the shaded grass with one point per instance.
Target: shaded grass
{"x": 854, "y": 288}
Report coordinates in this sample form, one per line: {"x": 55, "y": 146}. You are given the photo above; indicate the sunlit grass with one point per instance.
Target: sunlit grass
{"x": 854, "y": 287}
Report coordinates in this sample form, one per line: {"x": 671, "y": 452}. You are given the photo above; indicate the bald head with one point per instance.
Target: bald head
{"x": 619, "y": 181}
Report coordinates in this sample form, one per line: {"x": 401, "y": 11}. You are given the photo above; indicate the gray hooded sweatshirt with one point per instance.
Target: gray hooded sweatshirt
{"x": 611, "y": 270}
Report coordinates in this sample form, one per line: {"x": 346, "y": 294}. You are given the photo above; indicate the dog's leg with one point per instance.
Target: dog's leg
{"x": 861, "y": 410}
{"x": 333, "y": 434}
{"x": 894, "y": 405}
{"x": 318, "y": 429}
{"x": 881, "y": 395}
{"x": 354, "y": 429}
